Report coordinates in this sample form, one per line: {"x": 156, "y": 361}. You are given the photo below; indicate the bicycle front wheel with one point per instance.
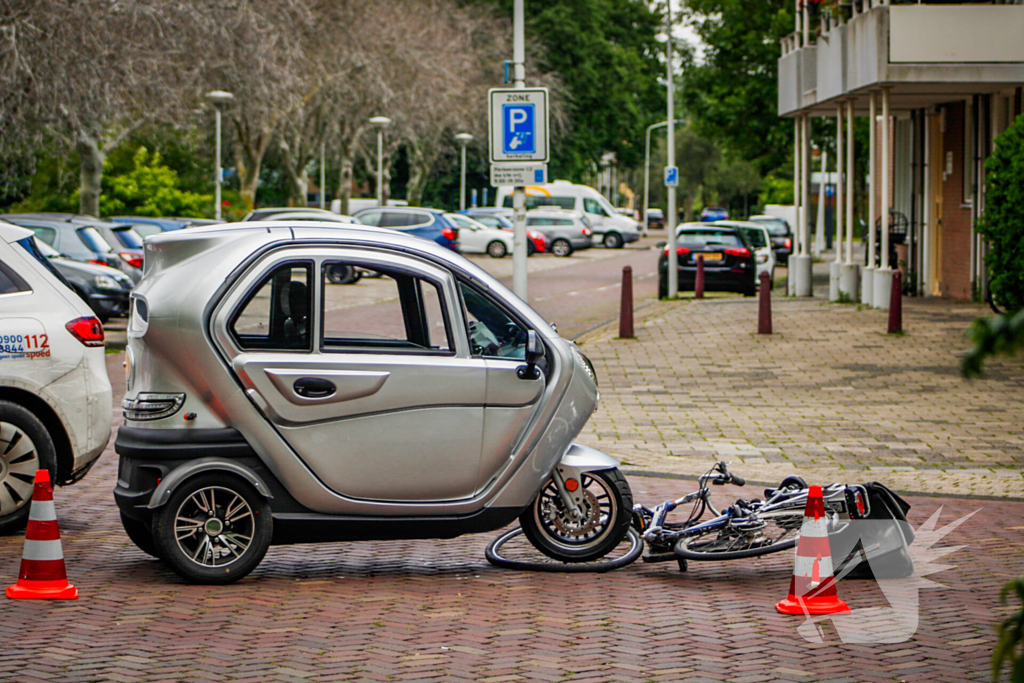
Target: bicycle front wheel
{"x": 742, "y": 538}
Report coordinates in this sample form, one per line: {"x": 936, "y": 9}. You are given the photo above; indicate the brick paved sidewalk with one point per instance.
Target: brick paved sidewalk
{"x": 829, "y": 396}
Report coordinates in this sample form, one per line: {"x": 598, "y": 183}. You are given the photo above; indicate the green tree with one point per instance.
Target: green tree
{"x": 608, "y": 57}
{"x": 732, "y": 95}
{"x": 1003, "y": 220}
{"x": 150, "y": 189}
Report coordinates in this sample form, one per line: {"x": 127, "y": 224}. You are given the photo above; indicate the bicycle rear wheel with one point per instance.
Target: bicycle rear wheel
{"x": 742, "y": 538}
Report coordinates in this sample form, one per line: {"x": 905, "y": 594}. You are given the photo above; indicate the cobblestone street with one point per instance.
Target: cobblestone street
{"x": 829, "y": 397}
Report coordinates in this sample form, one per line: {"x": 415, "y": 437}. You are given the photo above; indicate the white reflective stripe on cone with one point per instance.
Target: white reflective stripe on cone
{"x": 814, "y": 528}
{"x": 804, "y": 566}
{"x": 42, "y": 511}
{"x": 42, "y": 550}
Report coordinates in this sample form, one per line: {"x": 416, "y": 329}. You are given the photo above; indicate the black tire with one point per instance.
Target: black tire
{"x": 612, "y": 240}
{"x": 562, "y": 248}
{"x": 343, "y": 275}
{"x": 716, "y": 544}
{"x": 662, "y": 285}
{"x": 258, "y": 527}
{"x": 531, "y": 248}
{"x": 615, "y": 503}
{"x": 497, "y": 249}
{"x": 750, "y": 292}
{"x": 793, "y": 481}
{"x": 140, "y": 534}
{"x": 25, "y": 446}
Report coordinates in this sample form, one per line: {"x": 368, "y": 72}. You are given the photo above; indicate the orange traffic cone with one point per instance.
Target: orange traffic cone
{"x": 42, "y": 575}
{"x": 812, "y": 590}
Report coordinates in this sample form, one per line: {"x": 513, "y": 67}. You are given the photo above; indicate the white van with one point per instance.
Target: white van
{"x": 611, "y": 228}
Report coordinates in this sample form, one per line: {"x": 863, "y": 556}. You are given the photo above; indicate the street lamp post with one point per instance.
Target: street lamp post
{"x": 218, "y": 97}
{"x": 380, "y": 123}
{"x": 647, "y": 167}
{"x": 463, "y": 140}
{"x": 673, "y": 257}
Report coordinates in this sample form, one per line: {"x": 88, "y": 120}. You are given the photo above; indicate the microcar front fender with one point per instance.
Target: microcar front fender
{"x": 193, "y": 467}
{"x": 580, "y": 459}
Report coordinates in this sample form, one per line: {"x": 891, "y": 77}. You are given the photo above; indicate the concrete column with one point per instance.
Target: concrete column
{"x": 883, "y": 276}
{"x": 835, "y": 268}
{"x": 849, "y": 274}
{"x": 802, "y": 270}
{"x": 797, "y": 177}
{"x": 867, "y": 280}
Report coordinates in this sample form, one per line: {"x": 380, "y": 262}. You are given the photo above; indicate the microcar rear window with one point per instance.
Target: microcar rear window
{"x": 277, "y": 314}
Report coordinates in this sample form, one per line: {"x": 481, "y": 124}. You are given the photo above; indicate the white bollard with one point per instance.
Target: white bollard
{"x": 849, "y": 281}
{"x": 835, "y": 269}
{"x": 802, "y": 269}
{"x": 867, "y": 285}
{"x": 882, "y": 287}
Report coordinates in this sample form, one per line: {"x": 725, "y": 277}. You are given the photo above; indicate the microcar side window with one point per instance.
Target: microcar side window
{"x": 390, "y": 311}
{"x": 277, "y": 315}
{"x": 492, "y": 332}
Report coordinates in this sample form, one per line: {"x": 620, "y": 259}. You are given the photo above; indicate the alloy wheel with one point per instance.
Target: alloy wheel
{"x": 19, "y": 461}
{"x": 214, "y": 526}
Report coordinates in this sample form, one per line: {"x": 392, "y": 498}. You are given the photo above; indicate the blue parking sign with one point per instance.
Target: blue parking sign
{"x": 671, "y": 176}
{"x": 519, "y": 128}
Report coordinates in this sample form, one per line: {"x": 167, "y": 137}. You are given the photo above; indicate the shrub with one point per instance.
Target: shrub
{"x": 1003, "y": 220}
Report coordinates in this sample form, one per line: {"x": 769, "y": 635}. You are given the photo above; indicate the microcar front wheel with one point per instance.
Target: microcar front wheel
{"x": 215, "y": 529}
{"x": 607, "y": 504}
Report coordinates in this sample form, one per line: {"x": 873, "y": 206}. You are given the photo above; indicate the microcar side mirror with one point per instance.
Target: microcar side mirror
{"x": 534, "y": 352}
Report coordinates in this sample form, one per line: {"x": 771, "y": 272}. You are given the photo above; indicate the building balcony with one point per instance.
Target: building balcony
{"x": 927, "y": 54}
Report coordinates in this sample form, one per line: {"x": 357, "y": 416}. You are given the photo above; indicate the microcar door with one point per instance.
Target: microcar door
{"x": 372, "y": 384}
{"x": 498, "y": 338}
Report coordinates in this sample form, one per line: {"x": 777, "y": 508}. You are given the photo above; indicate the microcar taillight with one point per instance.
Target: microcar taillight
{"x": 88, "y": 330}
{"x": 152, "y": 406}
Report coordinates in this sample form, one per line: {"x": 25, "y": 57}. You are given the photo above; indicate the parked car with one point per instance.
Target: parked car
{"x": 655, "y": 219}
{"x": 356, "y": 204}
{"x": 536, "y": 242}
{"x": 55, "y": 397}
{"x": 439, "y": 408}
{"x": 708, "y": 215}
{"x": 105, "y": 289}
{"x": 307, "y": 215}
{"x": 761, "y": 242}
{"x": 80, "y": 238}
{"x": 477, "y": 238}
{"x": 269, "y": 212}
{"x": 125, "y": 241}
{"x": 610, "y": 229}
{"x": 566, "y": 231}
{"x": 730, "y": 264}
{"x": 426, "y": 223}
{"x": 781, "y": 234}
{"x": 146, "y": 226}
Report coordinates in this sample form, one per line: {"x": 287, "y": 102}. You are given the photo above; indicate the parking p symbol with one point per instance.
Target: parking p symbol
{"x": 519, "y": 127}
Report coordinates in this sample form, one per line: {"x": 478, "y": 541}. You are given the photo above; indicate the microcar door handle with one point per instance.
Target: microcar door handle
{"x": 314, "y": 387}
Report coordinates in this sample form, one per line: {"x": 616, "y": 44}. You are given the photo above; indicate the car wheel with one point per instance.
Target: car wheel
{"x": 343, "y": 275}
{"x": 561, "y": 248}
{"x": 25, "y": 446}
{"x": 613, "y": 240}
{"x": 215, "y": 529}
{"x": 140, "y": 534}
{"x": 530, "y": 248}
{"x": 662, "y": 285}
{"x": 497, "y": 249}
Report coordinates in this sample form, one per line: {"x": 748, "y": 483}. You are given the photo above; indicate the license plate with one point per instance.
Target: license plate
{"x": 710, "y": 257}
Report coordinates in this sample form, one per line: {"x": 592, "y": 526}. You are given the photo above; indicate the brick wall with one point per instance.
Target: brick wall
{"x": 955, "y": 259}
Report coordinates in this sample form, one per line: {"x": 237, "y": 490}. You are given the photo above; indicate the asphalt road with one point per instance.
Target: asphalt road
{"x": 584, "y": 290}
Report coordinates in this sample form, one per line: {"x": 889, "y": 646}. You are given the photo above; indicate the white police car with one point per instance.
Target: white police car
{"x": 55, "y": 400}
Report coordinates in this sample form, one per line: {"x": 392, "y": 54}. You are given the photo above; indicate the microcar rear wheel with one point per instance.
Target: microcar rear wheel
{"x": 607, "y": 507}
{"x": 215, "y": 529}
{"x": 25, "y": 446}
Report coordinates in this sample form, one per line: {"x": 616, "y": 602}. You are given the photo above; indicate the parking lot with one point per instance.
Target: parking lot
{"x": 436, "y": 611}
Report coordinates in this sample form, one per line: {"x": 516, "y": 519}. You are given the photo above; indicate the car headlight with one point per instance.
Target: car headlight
{"x": 105, "y": 282}
{"x": 762, "y": 258}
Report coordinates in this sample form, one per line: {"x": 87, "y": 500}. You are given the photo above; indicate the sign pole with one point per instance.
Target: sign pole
{"x": 670, "y": 222}
{"x": 519, "y": 252}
